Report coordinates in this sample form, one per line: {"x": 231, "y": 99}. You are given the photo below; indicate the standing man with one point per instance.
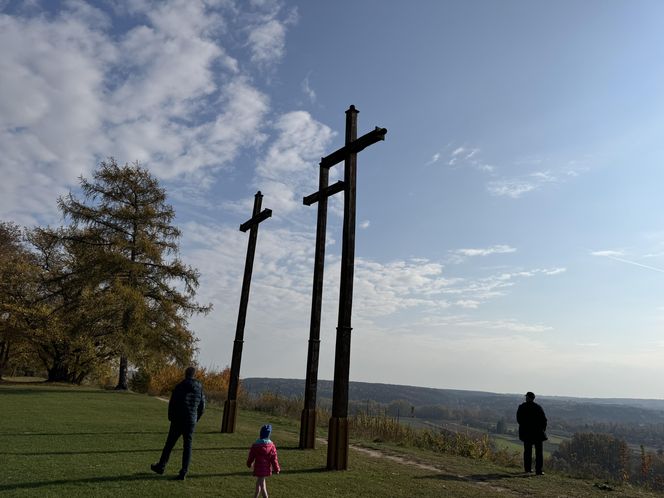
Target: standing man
{"x": 532, "y": 424}
{"x": 185, "y": 409}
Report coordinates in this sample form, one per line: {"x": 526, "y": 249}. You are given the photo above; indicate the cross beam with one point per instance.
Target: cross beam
{"x": 357, "y": 145}
{"x": 230, "y": 405}
{"x": 323, "y": 193}
{"x": 253, "y": 222}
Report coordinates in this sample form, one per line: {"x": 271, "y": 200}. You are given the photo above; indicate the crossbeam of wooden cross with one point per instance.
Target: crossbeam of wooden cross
{"x": 262, "y": 216}
{"x": 324, "y": 193}
{"x": 375, "y": 135}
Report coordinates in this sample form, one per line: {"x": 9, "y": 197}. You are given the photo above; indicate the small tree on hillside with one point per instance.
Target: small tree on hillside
{"x": 125, "y": 218}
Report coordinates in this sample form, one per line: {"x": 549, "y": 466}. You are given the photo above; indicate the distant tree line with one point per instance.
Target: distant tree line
{"x": 108, "y": 288}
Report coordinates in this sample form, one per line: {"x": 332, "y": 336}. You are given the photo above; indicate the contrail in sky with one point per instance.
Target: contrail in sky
{"x": 631, "y": 262}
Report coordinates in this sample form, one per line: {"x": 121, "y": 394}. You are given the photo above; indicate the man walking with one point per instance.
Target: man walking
{"x": 185, "y": 409}
{"x": 532, "y": 424}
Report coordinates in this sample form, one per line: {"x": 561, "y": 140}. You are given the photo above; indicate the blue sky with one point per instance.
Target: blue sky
{"x": 510, "y": 228}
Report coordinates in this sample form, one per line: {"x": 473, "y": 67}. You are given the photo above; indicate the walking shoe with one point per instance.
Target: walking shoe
{"x": 157, "y": 468}
{"x": 180, "y": 477}
{"x": 540, "y": 473}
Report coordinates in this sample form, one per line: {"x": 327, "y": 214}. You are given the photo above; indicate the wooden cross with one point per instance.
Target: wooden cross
{"x": 230, "y": 405}
{"x": 308, "y": 418}
{"x": 337, "y": 449}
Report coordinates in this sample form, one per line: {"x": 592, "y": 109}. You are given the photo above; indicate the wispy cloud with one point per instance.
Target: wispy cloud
{"x": 307, "y": 90}
{"x": 517, "y": 186}
{"x": 434, "y": 159}
{"x": 382, "y": 290}
{"x": 468, "y": 157}
{"x": 487, "y": 251}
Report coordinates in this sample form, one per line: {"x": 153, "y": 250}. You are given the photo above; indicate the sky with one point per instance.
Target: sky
{"x": 510, "y": 229}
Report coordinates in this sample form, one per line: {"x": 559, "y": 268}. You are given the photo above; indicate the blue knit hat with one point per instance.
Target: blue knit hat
{"x": 266, "y": 430}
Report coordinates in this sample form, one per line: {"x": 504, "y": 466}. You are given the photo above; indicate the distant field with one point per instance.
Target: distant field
{"x": 75, "y": 442}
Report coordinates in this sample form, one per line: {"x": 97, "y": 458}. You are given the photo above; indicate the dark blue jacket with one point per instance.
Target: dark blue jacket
{"x": 187, "y": 403}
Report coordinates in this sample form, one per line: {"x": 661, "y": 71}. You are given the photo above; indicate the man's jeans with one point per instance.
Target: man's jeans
{"x": 174, "y": 433}
{"x": 528, "y": 456}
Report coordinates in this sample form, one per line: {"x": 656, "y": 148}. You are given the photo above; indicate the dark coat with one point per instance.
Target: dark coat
{"x": 187, "y": 403}
{"x": 532, "y": 422}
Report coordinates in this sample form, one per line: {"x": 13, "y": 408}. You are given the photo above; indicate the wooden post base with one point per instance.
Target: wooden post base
{"x": 337, "y": 444}
{"x": 308, "y": 429}
{"x": 228, "y": 421}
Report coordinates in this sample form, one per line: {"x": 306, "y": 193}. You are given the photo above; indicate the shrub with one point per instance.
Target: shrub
{"x": 598, "y": 455}
{"x": 162, "y": 381}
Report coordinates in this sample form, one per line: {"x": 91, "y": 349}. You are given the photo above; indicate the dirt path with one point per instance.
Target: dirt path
{"x": 431, "y": 468}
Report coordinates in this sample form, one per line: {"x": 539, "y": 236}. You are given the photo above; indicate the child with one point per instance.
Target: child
{"x": 263, "y": 454}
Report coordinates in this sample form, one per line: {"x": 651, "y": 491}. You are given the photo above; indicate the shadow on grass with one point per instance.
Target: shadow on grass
{"x": 141, "y": 476}
{"x": 111, "y": 452}
{"x": 99, "y": 433}
{"x": 317, "y": 470}
{"x": 89, "y": 480}
{"x": 495, "y": 476}
{"x": 50, "y": 389}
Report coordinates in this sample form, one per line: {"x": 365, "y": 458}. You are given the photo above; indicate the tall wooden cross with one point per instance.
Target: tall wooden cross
{"x": 308, "y": 418}
{"x": 230, "y": 405}
{"x": 337, "y": 448}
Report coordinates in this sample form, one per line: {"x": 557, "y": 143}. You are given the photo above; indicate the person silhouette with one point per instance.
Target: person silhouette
{"x": 185, "y": 408}
{"x": 532, "y": 426}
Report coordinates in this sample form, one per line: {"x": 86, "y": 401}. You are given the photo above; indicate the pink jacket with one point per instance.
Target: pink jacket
{"x": 263, "y": 454}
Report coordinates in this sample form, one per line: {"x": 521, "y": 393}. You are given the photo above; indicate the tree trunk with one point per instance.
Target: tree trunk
{"x": 4, "y": 356}
{"x": 58, "y": 373}
{"x": 122, "y": 377}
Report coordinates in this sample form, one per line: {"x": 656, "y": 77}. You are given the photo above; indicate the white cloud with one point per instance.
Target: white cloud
{"x": 511, "y": 188}
{"x": 434, "y": 159}
{"x": 517, "y": 186}
{"x": 507, "y": 324}
{"x": 267, "y": 32}
{"x": 166, "y": 93}
{"x": 365, "y": 224}
{"x": 308, "y": 91}
{"x": 608, "y": 253}
{"x": 267, "y": 42}
{"x": 497, "y": 249}
{"x": 289, "y": 169}
{"x": 471, "y": 158}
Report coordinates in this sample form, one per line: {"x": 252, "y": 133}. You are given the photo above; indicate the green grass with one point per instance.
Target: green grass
{"x": 62, "y": 441}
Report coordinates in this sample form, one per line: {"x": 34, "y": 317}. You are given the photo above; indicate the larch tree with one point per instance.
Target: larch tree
{"x": 125, "y": 219}
{"x": 71, "y": 318}
{"x": 17, "y": 285}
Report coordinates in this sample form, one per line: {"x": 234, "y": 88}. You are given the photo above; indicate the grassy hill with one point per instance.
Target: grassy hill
{"x": 63, "y": 441}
